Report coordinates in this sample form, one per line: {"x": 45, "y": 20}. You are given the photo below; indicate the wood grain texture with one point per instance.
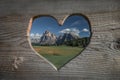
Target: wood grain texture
{"x": 99, "y": 61}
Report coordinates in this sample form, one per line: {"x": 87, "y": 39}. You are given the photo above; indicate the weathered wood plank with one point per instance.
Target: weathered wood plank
{"x": 99, "y": 61}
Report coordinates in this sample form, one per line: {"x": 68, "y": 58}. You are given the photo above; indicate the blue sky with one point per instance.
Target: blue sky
{"x": 75, "y": 24}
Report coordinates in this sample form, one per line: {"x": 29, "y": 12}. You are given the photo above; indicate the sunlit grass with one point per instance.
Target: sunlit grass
{"x": 58, "y": 55}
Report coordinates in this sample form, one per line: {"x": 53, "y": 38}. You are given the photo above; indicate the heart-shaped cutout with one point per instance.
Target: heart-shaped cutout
{"x": 60, "y": 43}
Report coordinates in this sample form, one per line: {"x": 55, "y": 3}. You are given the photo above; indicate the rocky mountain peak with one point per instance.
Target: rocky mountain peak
{"x": 66, "y": 37}
{"x": 48, "y": 38}
{"x": 47, "y": 33}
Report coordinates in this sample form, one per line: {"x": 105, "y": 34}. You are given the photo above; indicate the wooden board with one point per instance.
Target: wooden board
{"x": 99, "y": 61}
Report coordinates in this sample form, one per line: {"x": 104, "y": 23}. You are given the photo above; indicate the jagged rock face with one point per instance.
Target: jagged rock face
{"x": 66, "y": 37}
{"x": 48, "y": 38}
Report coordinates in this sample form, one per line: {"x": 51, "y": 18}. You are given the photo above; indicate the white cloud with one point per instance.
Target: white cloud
{"x": 38, "y": 35}
{"x": 76, "y": 23}
{"x": 85, "y": 30}
{"x": 70, "y": 30}
{"x": 32, "y": 34}
{"x": 67, "y": 30}
{"x": 35, "y": 36}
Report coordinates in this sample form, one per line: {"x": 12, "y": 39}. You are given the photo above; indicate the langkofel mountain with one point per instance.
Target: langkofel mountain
{"x": 48, "y": 38}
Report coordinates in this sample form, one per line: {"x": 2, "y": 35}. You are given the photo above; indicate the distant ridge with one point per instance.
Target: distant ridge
{"x": 66, "y": 37}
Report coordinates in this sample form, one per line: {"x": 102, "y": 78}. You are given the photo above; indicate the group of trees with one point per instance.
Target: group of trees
{"x": 82, "y": 42}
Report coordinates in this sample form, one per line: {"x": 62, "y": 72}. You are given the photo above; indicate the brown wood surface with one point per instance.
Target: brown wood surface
{"x": 99, "y": 61}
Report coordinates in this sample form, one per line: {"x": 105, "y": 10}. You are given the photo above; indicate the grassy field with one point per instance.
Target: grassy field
{"x": 58, "y": 55}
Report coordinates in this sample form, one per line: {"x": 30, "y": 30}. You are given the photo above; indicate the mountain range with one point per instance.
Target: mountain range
{"x": 49, "y": 38}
